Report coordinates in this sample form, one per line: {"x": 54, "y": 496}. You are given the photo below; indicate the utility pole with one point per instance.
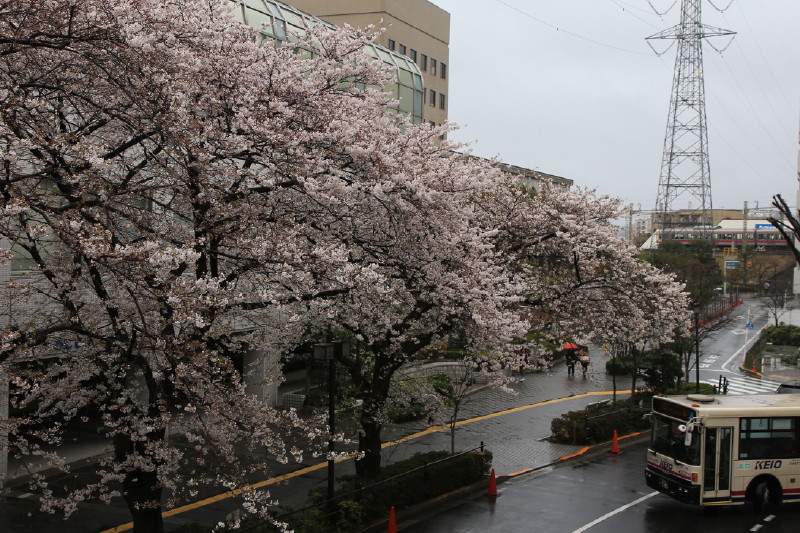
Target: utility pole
{"x": 630, "y": 224}
{"x": 684, "y": 167}
{"x": 743, "y": 262}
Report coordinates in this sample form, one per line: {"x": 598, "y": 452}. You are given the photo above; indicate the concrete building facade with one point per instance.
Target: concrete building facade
{"x": 416, "y": 29}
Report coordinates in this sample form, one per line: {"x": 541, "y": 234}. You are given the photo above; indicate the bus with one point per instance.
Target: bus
{"x": 726, "y": 450}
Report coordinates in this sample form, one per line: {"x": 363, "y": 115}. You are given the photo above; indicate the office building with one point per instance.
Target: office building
{"x": 280, "y": 21}
{"x": 416, "y": 29}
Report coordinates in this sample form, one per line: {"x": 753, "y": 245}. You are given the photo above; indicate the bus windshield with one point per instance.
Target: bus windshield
{"x": 668, "y": 438}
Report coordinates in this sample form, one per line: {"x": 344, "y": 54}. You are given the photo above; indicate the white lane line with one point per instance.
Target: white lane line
{"x": 614, "y": 512}
{"x": 756, "y": 527}
{"x": 737, "y": 352}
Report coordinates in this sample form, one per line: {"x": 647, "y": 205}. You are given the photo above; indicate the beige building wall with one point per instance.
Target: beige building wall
{"x": 415, "y": 28}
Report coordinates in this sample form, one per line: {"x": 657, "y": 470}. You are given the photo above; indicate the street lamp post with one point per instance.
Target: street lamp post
{"x": 329, "y": 352}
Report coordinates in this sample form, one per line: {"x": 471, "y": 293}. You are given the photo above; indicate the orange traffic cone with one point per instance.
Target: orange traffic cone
{"x": 492, "y": 493}
{"x": 392, "y": 523}
{"x": 615, "y": 444}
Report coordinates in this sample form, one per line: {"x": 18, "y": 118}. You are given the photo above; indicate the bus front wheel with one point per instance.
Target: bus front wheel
{"x": 764, "y": 496}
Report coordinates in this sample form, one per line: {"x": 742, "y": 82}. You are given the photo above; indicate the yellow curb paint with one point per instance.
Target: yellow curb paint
{"x": 525, "y": 471}
{"x": 318, "y": 466}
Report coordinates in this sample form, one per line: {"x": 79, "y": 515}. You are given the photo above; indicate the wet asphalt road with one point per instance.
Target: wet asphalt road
{"x": 604, "y": 494}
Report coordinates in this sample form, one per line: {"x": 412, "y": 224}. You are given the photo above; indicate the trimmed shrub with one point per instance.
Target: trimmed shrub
{"x": 622, "y": 367}
{"x": 418, "y": 485}
{"x": 785, "y": 335}
{"x": 690, "y": 388}
{"x": 597, "y": 423}
{"x": 358, "y": 507}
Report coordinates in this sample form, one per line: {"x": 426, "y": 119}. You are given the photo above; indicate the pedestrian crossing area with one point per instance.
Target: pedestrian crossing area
{"x": 746, "y": 384}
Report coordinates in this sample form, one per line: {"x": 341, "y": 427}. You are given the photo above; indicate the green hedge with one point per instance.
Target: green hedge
{"x": 597, "y": 424}
{"x": 785, "y": 335}
{"x": 420, "y": 485}
{"x": 691, "y": 388}
{"x": 622, "y": 367}
{"x": 374, "y": 501}
{"x": 359, "y": 507}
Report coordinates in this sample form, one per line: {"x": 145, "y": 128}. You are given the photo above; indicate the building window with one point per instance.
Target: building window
{"x": 433, "y": 98}
{"x": 402, "y": 49}
{"x": 391, "y": 44}
{"x": 441, "y": 101}
{"x": 443, "y": 70}
{"x": 413, "y": 55}
{"x": 433, "y": 66}
{"x": 423, "y": 65}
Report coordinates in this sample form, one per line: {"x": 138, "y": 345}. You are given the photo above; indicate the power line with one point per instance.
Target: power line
{"x": 572, "y": 34}
{"x": 754, "y": 111}
{"x": 630, "y": 10}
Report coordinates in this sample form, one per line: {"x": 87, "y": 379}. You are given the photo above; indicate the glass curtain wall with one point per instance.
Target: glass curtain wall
{"x": 281, "y": 22}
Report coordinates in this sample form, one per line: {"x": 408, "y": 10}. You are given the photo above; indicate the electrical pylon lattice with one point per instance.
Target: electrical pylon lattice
{"x": 685, "y": 170}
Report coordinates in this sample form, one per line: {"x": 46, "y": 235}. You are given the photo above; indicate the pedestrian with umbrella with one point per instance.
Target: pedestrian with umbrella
{"x": 570, "y": 348}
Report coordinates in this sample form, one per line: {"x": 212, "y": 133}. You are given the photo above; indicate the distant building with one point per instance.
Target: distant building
{"x": 416, "y": 29}
{"x": 533, "y": 178}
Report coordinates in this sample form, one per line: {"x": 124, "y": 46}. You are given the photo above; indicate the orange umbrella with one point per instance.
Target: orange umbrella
{"x": 570, "y": 346}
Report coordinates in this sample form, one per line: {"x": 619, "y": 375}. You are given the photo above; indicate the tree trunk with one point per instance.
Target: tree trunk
{"x": 369, "y": 444}
{"x": 141, "y": 489}
{"x": 634, "y": 374}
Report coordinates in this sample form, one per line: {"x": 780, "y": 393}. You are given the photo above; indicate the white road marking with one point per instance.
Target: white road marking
{"x": 747, "y": 385}
{"x": 737, "y": 352}
{"x": 769, "y": 518}
{"x": 614, "y": 512}
{"x": 756, "y": 527}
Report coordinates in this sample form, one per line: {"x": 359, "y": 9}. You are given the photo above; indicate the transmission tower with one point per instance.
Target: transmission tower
{"x": 685, "y": 169}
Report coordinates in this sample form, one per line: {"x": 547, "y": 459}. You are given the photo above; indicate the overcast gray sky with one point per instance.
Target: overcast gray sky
{"x": 571, "y": 88}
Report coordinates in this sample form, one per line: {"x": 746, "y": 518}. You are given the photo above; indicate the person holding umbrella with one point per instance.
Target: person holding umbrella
{"x": 570, "y": 348}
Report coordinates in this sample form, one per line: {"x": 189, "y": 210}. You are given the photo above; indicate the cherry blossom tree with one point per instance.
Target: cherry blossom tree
{"x": 180, "y": 194}
{"x": 548, "y": 254}
{"x": 566, "y": 253}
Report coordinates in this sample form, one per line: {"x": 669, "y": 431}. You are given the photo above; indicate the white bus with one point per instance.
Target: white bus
{"x": 726, "y": 450}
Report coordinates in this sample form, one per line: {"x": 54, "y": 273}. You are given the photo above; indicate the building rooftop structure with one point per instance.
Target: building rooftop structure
{"x": 535, "y": 179}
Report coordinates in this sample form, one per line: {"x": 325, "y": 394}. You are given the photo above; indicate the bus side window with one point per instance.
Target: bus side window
{"x": 768, "y": 438}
